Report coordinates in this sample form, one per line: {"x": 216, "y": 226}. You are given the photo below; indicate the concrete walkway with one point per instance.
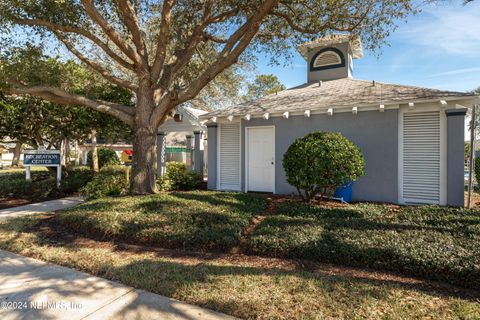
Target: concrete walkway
{"x": 40, "y": 207}
{"x": 32, "y": 289}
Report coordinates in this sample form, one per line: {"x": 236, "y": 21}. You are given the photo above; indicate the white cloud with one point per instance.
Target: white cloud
{"x": 452, "y": 29}
{"x": 455, "y": 72}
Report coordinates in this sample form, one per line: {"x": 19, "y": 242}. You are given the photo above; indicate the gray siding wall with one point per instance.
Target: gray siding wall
{"x": 374, "y": 132}
{"x": 212, "y": 145}
{"x": 331, "y": 74}
{"x": 455, "y": 157}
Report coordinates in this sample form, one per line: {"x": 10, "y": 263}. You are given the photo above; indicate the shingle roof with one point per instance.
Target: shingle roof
{"x": 345, "y": 92}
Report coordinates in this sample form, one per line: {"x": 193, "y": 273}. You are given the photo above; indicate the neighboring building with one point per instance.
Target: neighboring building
{"x": 182, "y": 138}
{"x": 411, "y": 137}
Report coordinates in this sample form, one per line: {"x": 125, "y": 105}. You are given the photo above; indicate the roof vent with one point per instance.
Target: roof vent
{"x": 320, "y": 83}
{"x": 373, "y": 83}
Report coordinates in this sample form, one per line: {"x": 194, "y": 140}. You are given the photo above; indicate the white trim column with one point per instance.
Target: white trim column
{"x": 161, "y": 160}
{"x": 198, "y": 152}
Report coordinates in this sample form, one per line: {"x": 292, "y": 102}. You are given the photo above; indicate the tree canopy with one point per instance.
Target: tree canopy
{"x": 264, "y": 84}
{"x": 166, "y": 52}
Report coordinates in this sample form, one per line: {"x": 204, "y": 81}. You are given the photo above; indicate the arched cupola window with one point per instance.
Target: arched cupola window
{"x": 327, "y": 58}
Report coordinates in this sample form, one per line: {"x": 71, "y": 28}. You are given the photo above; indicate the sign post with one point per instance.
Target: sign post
{"x": 42, "y": 158}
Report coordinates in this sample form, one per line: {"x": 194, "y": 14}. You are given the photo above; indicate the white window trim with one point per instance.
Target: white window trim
{"x": 219, "y": 128}
{"x": 443, "y": 149}
{"x": 246, "y": 156}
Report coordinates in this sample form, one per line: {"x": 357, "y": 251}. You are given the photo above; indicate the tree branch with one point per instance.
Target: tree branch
{"x": 110, "y": 31}
{"x": 236, "y": 45}
{"x": 95, "y": 66}
{"x": 163, "y": 40}
{"x": 68, "y": 29}
{"x": 59, "y": 96}
{"x": 130, "y": 19}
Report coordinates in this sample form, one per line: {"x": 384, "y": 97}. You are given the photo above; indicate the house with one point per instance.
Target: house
{"x": 412, "y": 138}
{"x": 182, "y": 138}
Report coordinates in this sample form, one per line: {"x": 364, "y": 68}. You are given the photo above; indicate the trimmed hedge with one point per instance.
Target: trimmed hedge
{"x": 320, "y": 162}
{"x": 429, "y": 241}
{"x": 199, "y": 220}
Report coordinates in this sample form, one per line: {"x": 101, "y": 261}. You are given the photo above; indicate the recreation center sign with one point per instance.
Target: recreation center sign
{"x": 42, "y": 158}
{"x": 45, "y": 158}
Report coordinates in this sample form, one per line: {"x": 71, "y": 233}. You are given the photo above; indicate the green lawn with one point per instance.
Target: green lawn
{"x": 197, "y": 220}
{"x": 246, "y": 288}
{"x": 428, "y": 241}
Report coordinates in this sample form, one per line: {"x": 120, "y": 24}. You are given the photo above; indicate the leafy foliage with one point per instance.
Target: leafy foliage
{"x": 106, "y": 157}
{"x": 167, "y": 52}
{"x": 263, "y": 85}
{"x": 322, "y": 161}
{"x": 429, "y": 241}
{"x": 109, "y": 181}
{"x": 177, "y": 177}
{"x": 43, "y": 185}
{"x": 184, "y": 220}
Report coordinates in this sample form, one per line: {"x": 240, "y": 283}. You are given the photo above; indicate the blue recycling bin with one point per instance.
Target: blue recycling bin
{"x": 344, "y": 192}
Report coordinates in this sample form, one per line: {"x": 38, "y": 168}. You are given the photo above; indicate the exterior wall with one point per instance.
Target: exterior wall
{"x": 455, "y": 157}
{"x": 331, "y": 74}
{"x": 374, "y": 132}
{"x": 212, "y": 146}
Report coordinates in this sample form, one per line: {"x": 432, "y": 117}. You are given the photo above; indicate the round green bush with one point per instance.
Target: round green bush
{"x": 106, "y": 157}
{"x": 320, "y": 162}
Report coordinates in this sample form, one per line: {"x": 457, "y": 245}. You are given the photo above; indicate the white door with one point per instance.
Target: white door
{"x": 260, "y": 160}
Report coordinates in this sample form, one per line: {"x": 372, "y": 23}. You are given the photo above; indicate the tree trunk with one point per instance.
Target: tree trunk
{"x": 94, "y": 151}
{"x": 143, "y": 178}
{"x": 16, "y": 154}
{"x": 77, "y": 154}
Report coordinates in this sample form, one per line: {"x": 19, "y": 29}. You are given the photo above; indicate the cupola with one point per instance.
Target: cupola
{"x": 331, "y": 57}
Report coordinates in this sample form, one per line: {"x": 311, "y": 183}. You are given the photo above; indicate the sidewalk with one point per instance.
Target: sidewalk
{"x": 32, "y": 289}
{"x": 40, "y": 207}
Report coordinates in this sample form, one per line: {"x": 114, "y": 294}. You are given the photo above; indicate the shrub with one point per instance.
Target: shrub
{"x": 177, "y": 177}
{"x": 74, "y": 178}
{"x": 320, "y": 162}
{"x": 110, "y": 181}
{"x": 106, "y": 157}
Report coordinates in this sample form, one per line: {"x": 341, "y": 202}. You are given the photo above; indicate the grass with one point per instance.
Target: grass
{"x": 245, "y": 289}
{"x": 197, "y": 220}
{"x": 428, "y": 241}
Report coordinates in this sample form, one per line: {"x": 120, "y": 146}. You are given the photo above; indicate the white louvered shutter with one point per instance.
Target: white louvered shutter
{"x": 229, "y": 173}
{"x": 421, "y": 157}
{"x": 327, "y": 59}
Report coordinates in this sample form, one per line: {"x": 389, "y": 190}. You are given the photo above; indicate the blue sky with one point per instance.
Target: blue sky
{"x": 437, "y": 48}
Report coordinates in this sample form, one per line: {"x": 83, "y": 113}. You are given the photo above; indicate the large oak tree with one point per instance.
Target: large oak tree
{"x": 151, "y": 47}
